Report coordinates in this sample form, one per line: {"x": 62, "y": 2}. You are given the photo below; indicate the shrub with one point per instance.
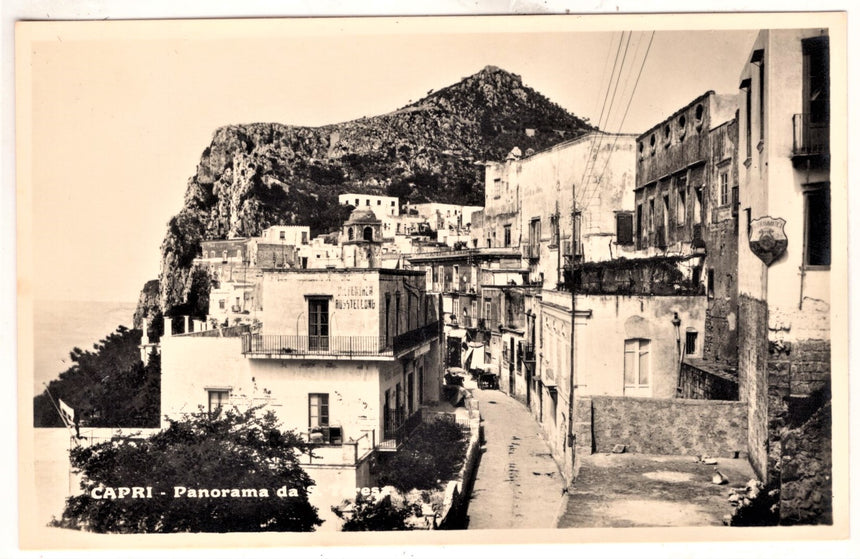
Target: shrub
{"x": 434, "y": 453}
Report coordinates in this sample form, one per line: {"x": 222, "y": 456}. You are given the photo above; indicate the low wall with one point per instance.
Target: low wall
{"x": 458, "y": 491}
{"x": 669, "y": 426}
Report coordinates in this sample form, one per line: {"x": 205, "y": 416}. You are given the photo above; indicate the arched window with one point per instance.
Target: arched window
{"x": 368, "y": 233}
{"x": 349, "y": 234}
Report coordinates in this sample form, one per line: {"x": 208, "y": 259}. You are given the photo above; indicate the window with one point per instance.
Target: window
{"x": 222, "y": 303}
{"x": 697, "y": 205}
{"x": 318, "y": 325}
{"x": 761, "y": 100}
{"x": 553, "y": 225}
{"x": 304, "y": 237}
{"x": 748, "y": 119}
{"x": 507, "y": 235}
{"x": 816, "y": 69}
{"x": 282, "y": 235}
{"x": 396, "y": 314}
{"x": 217, "y": 400}
{"x": 690, "y": 342}
{"x": 497, "y": 188}
{"x": 318, "y": 410}
{"x": 379, "y": 202}
{"x": 624, "y": 228}
{"x": 710, "y": 283}
{"x": 639, "y": 225}
{"x": 534, "y": 238}
{"x": 681, "y": 213}
{"x": 817, "y": 213}
{"x": 410, "y": 392}
{"x": 368, "y": 233}
{"x": 637, "y": 365}
{"x": 392, "y": 203}
{"x": 387, "y": 317}
{"x": 724, "y": 189}
{"x": 367, "y": 202}
{"x": 651, "y": 215}
{"x": 356, "y": 202}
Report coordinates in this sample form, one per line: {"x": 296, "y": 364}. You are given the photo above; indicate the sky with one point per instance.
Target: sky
{"x": 120, "y": 113}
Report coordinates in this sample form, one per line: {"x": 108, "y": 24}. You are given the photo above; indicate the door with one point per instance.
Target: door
{"x": 318, "y": 326}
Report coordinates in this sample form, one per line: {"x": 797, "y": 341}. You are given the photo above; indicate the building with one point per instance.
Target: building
{"x": 344, "y": 357}
{"x": 785, "y": 252}
{"x": 472, "y": 307}
{"x": 686, "y": 205}
{"x": 380, "y": 205}
{"x": 450, "y": 222}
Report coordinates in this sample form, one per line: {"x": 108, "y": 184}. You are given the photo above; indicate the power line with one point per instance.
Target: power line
{"x": 603, "y": 108}
{"x": 624, "y": 117}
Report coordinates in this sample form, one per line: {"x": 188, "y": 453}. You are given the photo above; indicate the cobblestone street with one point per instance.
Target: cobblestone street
{"x": 518, "y": 484}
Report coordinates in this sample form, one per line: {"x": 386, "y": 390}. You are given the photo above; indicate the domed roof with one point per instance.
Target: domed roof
{"x": 362, "y": 215}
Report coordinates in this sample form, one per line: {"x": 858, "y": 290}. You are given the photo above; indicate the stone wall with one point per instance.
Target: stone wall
{"x": 700, "y": 384}
{"x": 670, "y": 426}
{"x": 806, "y": 493}
{"x": 752, "y": 387}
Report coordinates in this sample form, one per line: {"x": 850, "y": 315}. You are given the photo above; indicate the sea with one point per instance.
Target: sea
{"x": 60, "y": 326}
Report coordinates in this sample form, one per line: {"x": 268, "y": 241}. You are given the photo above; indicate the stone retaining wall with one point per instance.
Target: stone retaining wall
{"x": 668, "y": 426}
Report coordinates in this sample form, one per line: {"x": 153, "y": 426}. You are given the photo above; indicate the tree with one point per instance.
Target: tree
{"x": 108, "y": 386}
{"x": 232, "y": 472}
{"x": 375, "y": 513}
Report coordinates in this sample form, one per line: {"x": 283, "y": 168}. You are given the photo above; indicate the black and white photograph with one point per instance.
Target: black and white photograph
{"x": 554, "y": 278}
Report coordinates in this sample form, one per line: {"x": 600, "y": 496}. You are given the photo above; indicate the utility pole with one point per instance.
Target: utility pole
{"x": 573, "y": 241}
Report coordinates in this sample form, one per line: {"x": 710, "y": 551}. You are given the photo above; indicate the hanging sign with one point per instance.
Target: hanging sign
{"x": 767, "y": 238}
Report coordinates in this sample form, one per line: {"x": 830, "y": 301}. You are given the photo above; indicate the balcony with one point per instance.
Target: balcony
{"x": 414, "y": 338}
{"x": 280, "y": 346}
{"x": 529, "y": 353}
{"x": 532, "y": 252}
{"x": 811, "y": 139}
{"x": 276, "y": 346}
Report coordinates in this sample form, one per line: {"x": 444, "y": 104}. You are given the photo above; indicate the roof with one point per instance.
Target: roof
{"x": 362, "y": 215}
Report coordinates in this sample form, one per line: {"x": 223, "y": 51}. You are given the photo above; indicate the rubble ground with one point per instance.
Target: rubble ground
{"x": 627, "y": 490}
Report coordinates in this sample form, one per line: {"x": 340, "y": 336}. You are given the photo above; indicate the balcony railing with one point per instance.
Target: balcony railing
{"x": 397, "y": 427}
{"x": 810, "y": 137}
{"x": 270, "y": 344}
{"x": 416, "y": 337}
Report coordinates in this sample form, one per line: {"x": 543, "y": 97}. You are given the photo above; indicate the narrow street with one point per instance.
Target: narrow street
{"x": 518, "y": 484}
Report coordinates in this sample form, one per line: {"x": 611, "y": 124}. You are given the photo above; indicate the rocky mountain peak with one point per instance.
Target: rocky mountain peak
{"x": 253, "y": 176}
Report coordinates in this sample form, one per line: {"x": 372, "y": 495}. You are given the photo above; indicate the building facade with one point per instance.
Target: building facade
{"x": 344, "y": 357}
{"x": 785, "y": 235}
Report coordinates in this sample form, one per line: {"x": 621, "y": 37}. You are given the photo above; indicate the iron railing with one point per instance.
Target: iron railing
{"x": 273, "y": 344}
{"x": 416, "y": 337}
{"x": 397, "y": 427}
{"x": 810, "y": 138}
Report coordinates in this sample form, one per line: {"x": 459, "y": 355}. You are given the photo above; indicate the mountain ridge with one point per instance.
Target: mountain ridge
{"x": 253, "y": 176}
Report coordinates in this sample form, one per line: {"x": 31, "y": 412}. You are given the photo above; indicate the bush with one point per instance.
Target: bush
{"x": 375, "y": 513}
{"x": 434, "y": 453}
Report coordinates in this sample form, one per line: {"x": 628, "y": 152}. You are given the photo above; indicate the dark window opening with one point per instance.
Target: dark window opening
{"x": 710, "y": 283}
{"x": 818, "y": 227}
{"x": 624, "y": 228}
{"x": 690, "y": 343}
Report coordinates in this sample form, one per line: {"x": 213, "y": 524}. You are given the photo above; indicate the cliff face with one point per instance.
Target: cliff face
{"x": 257, "y": 175}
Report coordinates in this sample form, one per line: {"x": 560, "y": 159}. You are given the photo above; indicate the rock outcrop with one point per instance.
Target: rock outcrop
{"x": 257, "y": 175}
